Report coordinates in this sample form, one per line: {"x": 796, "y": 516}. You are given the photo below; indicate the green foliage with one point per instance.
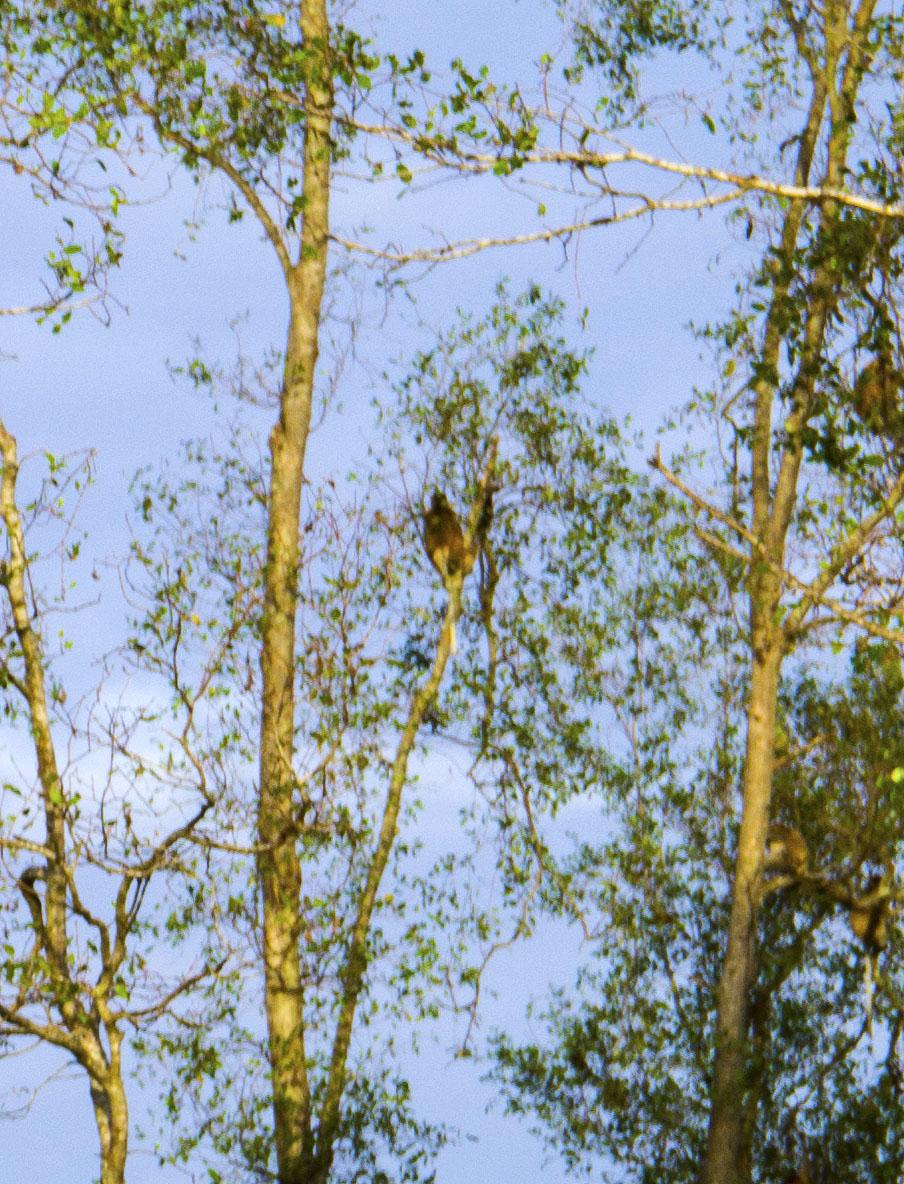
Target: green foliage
{"x": 543, "y": 614}
{"x": 625, "y": 1074}
{"x": 601, "y": 680}
{"x": 53, "y": 130}
{"x": 622, "y": 1077}
{"x": 221, "y": 84}
{"x": 615, "y": 39}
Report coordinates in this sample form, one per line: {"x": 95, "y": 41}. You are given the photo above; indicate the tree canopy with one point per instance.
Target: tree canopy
{"x": 658, "y": 683}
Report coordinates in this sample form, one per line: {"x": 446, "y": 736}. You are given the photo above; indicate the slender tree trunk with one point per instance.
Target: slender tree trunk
{"x": 79, "y": 1034}
{"x": 39, "y": 717}
{"x": 757, "y": 1079}
{"x": 278, "y": 865}
{"x": 728, "y": 1083}
{"x": 355, "y": 965}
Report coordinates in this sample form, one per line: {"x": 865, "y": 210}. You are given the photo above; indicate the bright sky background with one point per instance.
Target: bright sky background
{"x": 108, "y": 388}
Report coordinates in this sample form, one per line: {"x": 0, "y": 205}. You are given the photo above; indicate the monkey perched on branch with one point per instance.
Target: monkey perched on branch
{"x": 445, "y": 545}
{"x": 786, "y": 850}
{"x": 443, "y": 539}
{"x": 785, "y": 859}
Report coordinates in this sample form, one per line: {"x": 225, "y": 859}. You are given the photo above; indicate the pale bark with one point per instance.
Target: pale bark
{"x": 278, "y": 865}
{"x": 111, "y": 1113}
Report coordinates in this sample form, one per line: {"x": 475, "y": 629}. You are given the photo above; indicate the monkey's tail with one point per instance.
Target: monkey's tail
{"x": 870, "y": 967}
{"x": 453, "y": 641}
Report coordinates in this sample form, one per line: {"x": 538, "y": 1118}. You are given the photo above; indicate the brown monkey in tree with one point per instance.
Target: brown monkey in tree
{"x": 443, "y": 538}
{"x": 877, "y": 397}
{"x": 786, "y": 850}
{"x": 869, "y": 916}
{"x": 445, "y": 544}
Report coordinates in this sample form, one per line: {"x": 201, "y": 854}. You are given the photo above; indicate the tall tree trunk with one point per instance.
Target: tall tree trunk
{"x": 278, "y": 865}
{"x": 729, "y": 1070}
{"x": 836, "y": 75}
{"x": 111, "y": 1113}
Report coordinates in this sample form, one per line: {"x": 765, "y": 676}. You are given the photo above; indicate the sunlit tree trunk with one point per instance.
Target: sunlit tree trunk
{"x": 727, "y": 1105}
{"x": 278, "y": 864}
{"x": 836, "y": 71}
{"x": 111, "y": 1114}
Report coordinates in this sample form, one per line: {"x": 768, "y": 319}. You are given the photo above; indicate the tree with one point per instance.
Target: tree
{"x": 623, "y": 1078}
{"x": 222, "y": 114}
{"x": 76, "y": 972}
{"x": 266, "y": 100}
{"x": 239, "y": 93}
{"x": 66, "y": 964}
{"x": 808, "y": 510}
{"x": 820, "y": 274}
{"x": 539, "y": 478}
